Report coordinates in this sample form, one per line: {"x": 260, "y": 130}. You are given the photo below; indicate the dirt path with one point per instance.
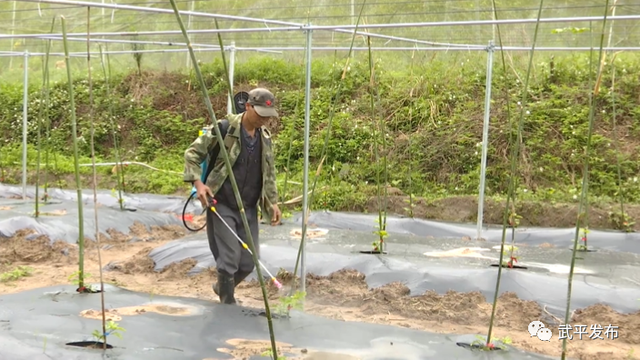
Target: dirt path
{"x": 343, "y": 295}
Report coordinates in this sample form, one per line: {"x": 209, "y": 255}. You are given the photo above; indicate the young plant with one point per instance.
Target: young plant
{"x": 585, "y": 178}
{"x": 110, "y": 328}
{"x": 287, "y": 303}
{"x": 77, "y": 278}
{"x": 411, "y": 204}
{"x": 583, "y": 238}
{"x": 225, "y": 157}
{"x": 269, "y": 352}
{"x": 74, "y": 137}
{"x": 482, "y": 344}
{"x": 514, "y": 222}
{"x": 378, "y": 245}
{"x": 509, "y": 252}
{"x": 515, "y": 143}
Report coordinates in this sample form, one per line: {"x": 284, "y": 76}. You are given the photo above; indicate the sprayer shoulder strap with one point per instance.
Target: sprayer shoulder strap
{"x": 223, "y": 125}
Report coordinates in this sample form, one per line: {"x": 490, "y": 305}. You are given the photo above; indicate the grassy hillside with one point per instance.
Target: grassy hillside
{"x": 432, "y": 112}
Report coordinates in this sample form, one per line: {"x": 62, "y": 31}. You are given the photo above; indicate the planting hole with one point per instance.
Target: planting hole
{"x": 481, "y": 347}
{"x": 511, "y": 267}
{"x": 163, "y": 309}
{"x": 583, "y": 250}
{"x": 89, "y": 344}
{"x": 372, "y": 252}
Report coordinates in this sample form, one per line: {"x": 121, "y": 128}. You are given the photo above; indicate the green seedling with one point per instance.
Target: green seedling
{"x": 270, "y": 354}
{"x": 16, "y": 274}
{"x": 382, "y": 234}
{"x": 509, "y": 251}
{"x": 514, "y": 220}
{"x": 583, "y": 238}
{"x": 78, "y": 278}
{"x": 112, "y": 328}
{"x": 482, "y": 344}
{"x": 116, "y": 194}
{"x": 287, "y": 303}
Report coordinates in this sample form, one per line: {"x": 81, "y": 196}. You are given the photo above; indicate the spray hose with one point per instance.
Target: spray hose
{"x": 244, "y": 245}
{"x": 184, "y": 212}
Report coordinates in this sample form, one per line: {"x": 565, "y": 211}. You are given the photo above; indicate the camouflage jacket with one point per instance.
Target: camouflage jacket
{"x": 199, "y": 150}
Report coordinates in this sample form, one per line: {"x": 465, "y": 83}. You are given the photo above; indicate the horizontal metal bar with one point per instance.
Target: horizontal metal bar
{"x": 152, "y": 33}
{"x": 141, "y": 42}
{"x": 14, "y": 54}
{"x": 478, "y": 22}
{"x": 214, "y": 31}
{"x": 280, "y": 50}
{"x": 161, "y": 11}
{"x": 339, "y": 27}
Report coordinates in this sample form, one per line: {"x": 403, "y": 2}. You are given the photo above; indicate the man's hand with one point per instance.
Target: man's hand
{"x": 204, "y": 193}
{"x": 277, "y": 216}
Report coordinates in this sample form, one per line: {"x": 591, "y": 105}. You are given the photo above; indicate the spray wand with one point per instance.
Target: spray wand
{"x": 212, "y": 207}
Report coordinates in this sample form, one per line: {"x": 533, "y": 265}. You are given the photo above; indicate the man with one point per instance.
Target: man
{"x": 248, "y": 144}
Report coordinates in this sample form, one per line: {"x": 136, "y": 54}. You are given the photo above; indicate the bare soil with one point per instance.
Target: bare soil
{"x": 343, "y": 295}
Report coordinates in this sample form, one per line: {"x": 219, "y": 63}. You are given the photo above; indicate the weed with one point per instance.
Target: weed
{"x": 16, "y": 274}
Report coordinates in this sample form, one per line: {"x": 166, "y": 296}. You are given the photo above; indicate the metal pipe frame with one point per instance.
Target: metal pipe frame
{"x": 336, "y": 27}
{"x": 215, "y": 31}
{"x": 280, "y": 50}
{"x": 161, "y": 11}
{"x": 291, "y": 26}
{"x": 141, "y": 42}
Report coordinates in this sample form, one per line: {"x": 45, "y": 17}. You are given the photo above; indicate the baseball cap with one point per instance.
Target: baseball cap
{"x": 263, "y": 101}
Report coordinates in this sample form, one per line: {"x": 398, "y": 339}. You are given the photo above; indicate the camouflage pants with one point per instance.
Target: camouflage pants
{"x": 226, "y": 249}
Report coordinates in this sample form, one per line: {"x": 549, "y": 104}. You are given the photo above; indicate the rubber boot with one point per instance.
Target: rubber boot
{"x": 225, "y": 287}
{"x": 237, "y": 279}
{"x": 240, "y": 276}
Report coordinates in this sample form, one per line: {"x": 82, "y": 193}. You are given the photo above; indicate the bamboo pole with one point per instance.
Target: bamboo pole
{"x": 74, "y": 137}
{"x": 585, "y": 177}
{"x": 95, "y": 180}
{"x": 514, "y": 162}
